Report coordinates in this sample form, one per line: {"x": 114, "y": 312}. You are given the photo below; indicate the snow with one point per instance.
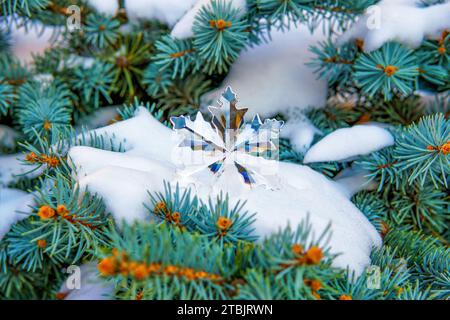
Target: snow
{"x": 399, "y": 20}
{"x": 346, "y": 143}
{"x": 167, "y": 11}
{"x": 14, "y": 206}
{"x": 91, "y": 286}
{"x": 353, "y": 180}
{"x": 163, "y": 139}
{"x": 121, "y": 176}
{"x": 300, "y": 131}
{"x": 122, "y": 179}
{"x": 10, "y": 167}
{"x": 273, "y": 78}
{"x": 183, "y": 28}
{"x": 106, "y": 7}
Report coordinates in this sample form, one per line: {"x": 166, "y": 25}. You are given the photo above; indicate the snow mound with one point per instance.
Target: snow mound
{"x": 13, "y": 204}
{"x": 398, "y": 20}
{"x": 106, "y": 7}
{"x": 11, "y": 167}
{"x": 122, "y": 179}
{"x": 346, "y": 143}
{"x": 273, "y": 78}
{"x": 300, "y": 132}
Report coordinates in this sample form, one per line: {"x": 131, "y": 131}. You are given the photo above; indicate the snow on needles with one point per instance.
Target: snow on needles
{"x": 399, "y": 20}
{"x": 346, "y": 143}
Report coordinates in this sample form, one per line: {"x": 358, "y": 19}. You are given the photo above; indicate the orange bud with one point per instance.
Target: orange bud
{"x": 297, "y": 249}
{"x": 314, "y": 255}
{"x": 360, "y": 44}
{"x": 61, "y": 295}
{"x": 189, "y": 273}
{"x": 390, "y": 70}
{"x": 41, "y": 243}
{"x": 224, "y": 223}
{"x": 201, "y": 275}
{"x": 316, "y": 285}
{"x": 139, "y": 295}
{"x": 140, "y": 272}
{"x": 170, "y": 270}
{"x": 107, "y": 266}
{"x": 154, "y": 267}
{"x": 46, "y": 212}
{"x": 50, "y": 161}
{"x": 316, "y": 295}
{"x": 31, "y": 157}
{"x": 175, "y": 217}
{"x": 160, "y": 207}
{"x": 62, "y": 210}
{"x": 445, "y": 148}
{"x": 47, "y": 125}
{"x": 221, "y": 24}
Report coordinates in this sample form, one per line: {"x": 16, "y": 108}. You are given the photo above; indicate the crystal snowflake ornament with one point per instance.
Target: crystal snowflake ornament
{"x": 226, "y": 145}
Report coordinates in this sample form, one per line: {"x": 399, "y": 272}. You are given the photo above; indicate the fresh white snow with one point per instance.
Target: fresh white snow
{"x": 272, "y": 77}
{"x": 106, "y": 7}
{"x": 346, "y": 143}
{"x": 11, "y": 168}
{"x": 14, "y": 206}
{"x": 399, "y": 20}
{"x": 300, "y": 131}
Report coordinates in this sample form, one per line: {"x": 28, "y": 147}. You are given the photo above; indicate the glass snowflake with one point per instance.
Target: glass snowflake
{"x": 228, "y": 143}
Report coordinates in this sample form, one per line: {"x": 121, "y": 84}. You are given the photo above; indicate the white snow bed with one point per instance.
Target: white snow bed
{"x": 123, "y": 179}
{"x": 14, "y": 206}
{"x": 11, "y": 167}
{"x": 346, "y": 143}
{"x": 404, "y": 21}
